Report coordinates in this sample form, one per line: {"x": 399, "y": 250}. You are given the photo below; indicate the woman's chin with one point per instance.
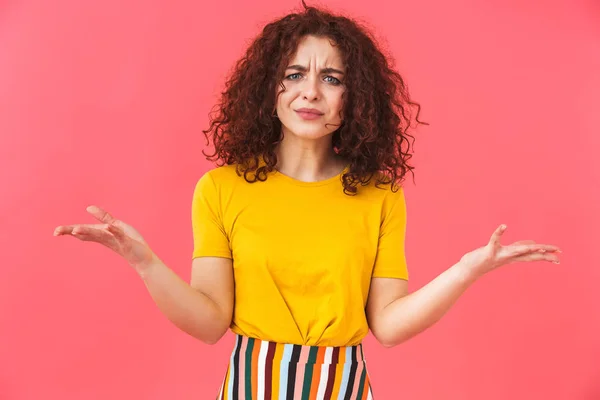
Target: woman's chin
{"x": 309, "y": 134}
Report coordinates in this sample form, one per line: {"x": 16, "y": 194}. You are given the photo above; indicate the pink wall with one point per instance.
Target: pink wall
{"x": 103, "y": 102}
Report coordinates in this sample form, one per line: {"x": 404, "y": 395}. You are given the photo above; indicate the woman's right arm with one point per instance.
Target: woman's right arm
{"x": 203, "y": 308}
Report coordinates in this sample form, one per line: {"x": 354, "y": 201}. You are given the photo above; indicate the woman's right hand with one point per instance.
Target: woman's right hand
{"x": 114, "y": 234}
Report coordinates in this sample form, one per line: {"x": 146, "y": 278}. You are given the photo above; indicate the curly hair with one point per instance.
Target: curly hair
{"x": 373, "y": 137}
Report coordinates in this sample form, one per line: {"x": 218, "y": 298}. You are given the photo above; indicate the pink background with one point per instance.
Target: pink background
{"x": 103, "y": 102}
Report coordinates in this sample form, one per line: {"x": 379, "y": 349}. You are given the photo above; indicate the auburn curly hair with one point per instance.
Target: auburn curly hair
{"x": 373, "y": 137}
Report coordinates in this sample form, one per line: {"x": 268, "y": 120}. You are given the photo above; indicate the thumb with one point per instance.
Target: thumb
{"x": 100, "y": 214}
{"x": 495, "y": 239}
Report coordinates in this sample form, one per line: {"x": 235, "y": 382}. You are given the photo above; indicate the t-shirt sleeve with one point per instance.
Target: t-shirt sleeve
{"x": 391, "y": 260}
{"x": 210, "y": 237}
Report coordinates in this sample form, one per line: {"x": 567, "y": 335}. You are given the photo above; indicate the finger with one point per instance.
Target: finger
{"x": 522, "y": 242}
{"x": 86, "y": 237}
{"x": 531, "y": 248}
{"x": 124, "y": 241}
{"x": 117, "y": 231}
{"x": 68, "y": 229}
{"x": 102, "y": 236}
{"x": 538, "y": 257}
{"x": 93, "y": 233}
{"x": 100, "y": 214}
{"x": 519, "y": 242}
{"x": 495, "y": 239}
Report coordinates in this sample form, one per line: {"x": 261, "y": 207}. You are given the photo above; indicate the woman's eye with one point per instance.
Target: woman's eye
{"x": 331, "y": 79}
{"x": 294, "y": 76}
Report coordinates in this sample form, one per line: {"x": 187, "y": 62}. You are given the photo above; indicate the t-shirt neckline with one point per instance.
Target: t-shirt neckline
{"x": 322, "y": 182}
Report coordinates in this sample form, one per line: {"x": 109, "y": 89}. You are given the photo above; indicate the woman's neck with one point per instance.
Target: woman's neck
{"x": 308, "y": 160}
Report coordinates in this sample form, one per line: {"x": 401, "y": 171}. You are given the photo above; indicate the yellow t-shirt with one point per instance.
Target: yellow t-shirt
{"x": 303, "y": 252}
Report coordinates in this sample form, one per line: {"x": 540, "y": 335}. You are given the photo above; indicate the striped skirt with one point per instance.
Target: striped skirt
{"x": 261, "y": 370}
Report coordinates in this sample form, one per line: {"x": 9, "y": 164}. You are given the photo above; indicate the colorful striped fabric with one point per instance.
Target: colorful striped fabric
{"x": 261, "y": 370}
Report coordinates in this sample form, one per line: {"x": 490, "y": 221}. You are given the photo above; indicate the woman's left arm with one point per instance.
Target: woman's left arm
{"x": 395, "y": 316}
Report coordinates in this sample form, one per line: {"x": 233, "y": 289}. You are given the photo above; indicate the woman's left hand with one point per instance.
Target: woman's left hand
{"x": 494, "y": 254}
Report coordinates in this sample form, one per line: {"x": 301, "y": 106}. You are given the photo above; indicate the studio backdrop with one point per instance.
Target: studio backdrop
{"x": 104, "y": 103}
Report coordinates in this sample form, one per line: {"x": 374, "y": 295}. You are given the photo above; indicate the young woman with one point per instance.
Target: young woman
{"x": 299, "y": 233}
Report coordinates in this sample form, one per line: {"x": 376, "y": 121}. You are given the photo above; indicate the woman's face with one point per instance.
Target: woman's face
{"x": 311, "y": 104}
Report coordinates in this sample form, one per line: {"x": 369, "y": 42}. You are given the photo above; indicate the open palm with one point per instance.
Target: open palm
{"x": 123, "y": 239}
{"x": 494, "y": 254}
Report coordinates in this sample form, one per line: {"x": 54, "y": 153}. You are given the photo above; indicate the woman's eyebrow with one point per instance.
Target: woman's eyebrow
{"x": 328, "y": 70}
